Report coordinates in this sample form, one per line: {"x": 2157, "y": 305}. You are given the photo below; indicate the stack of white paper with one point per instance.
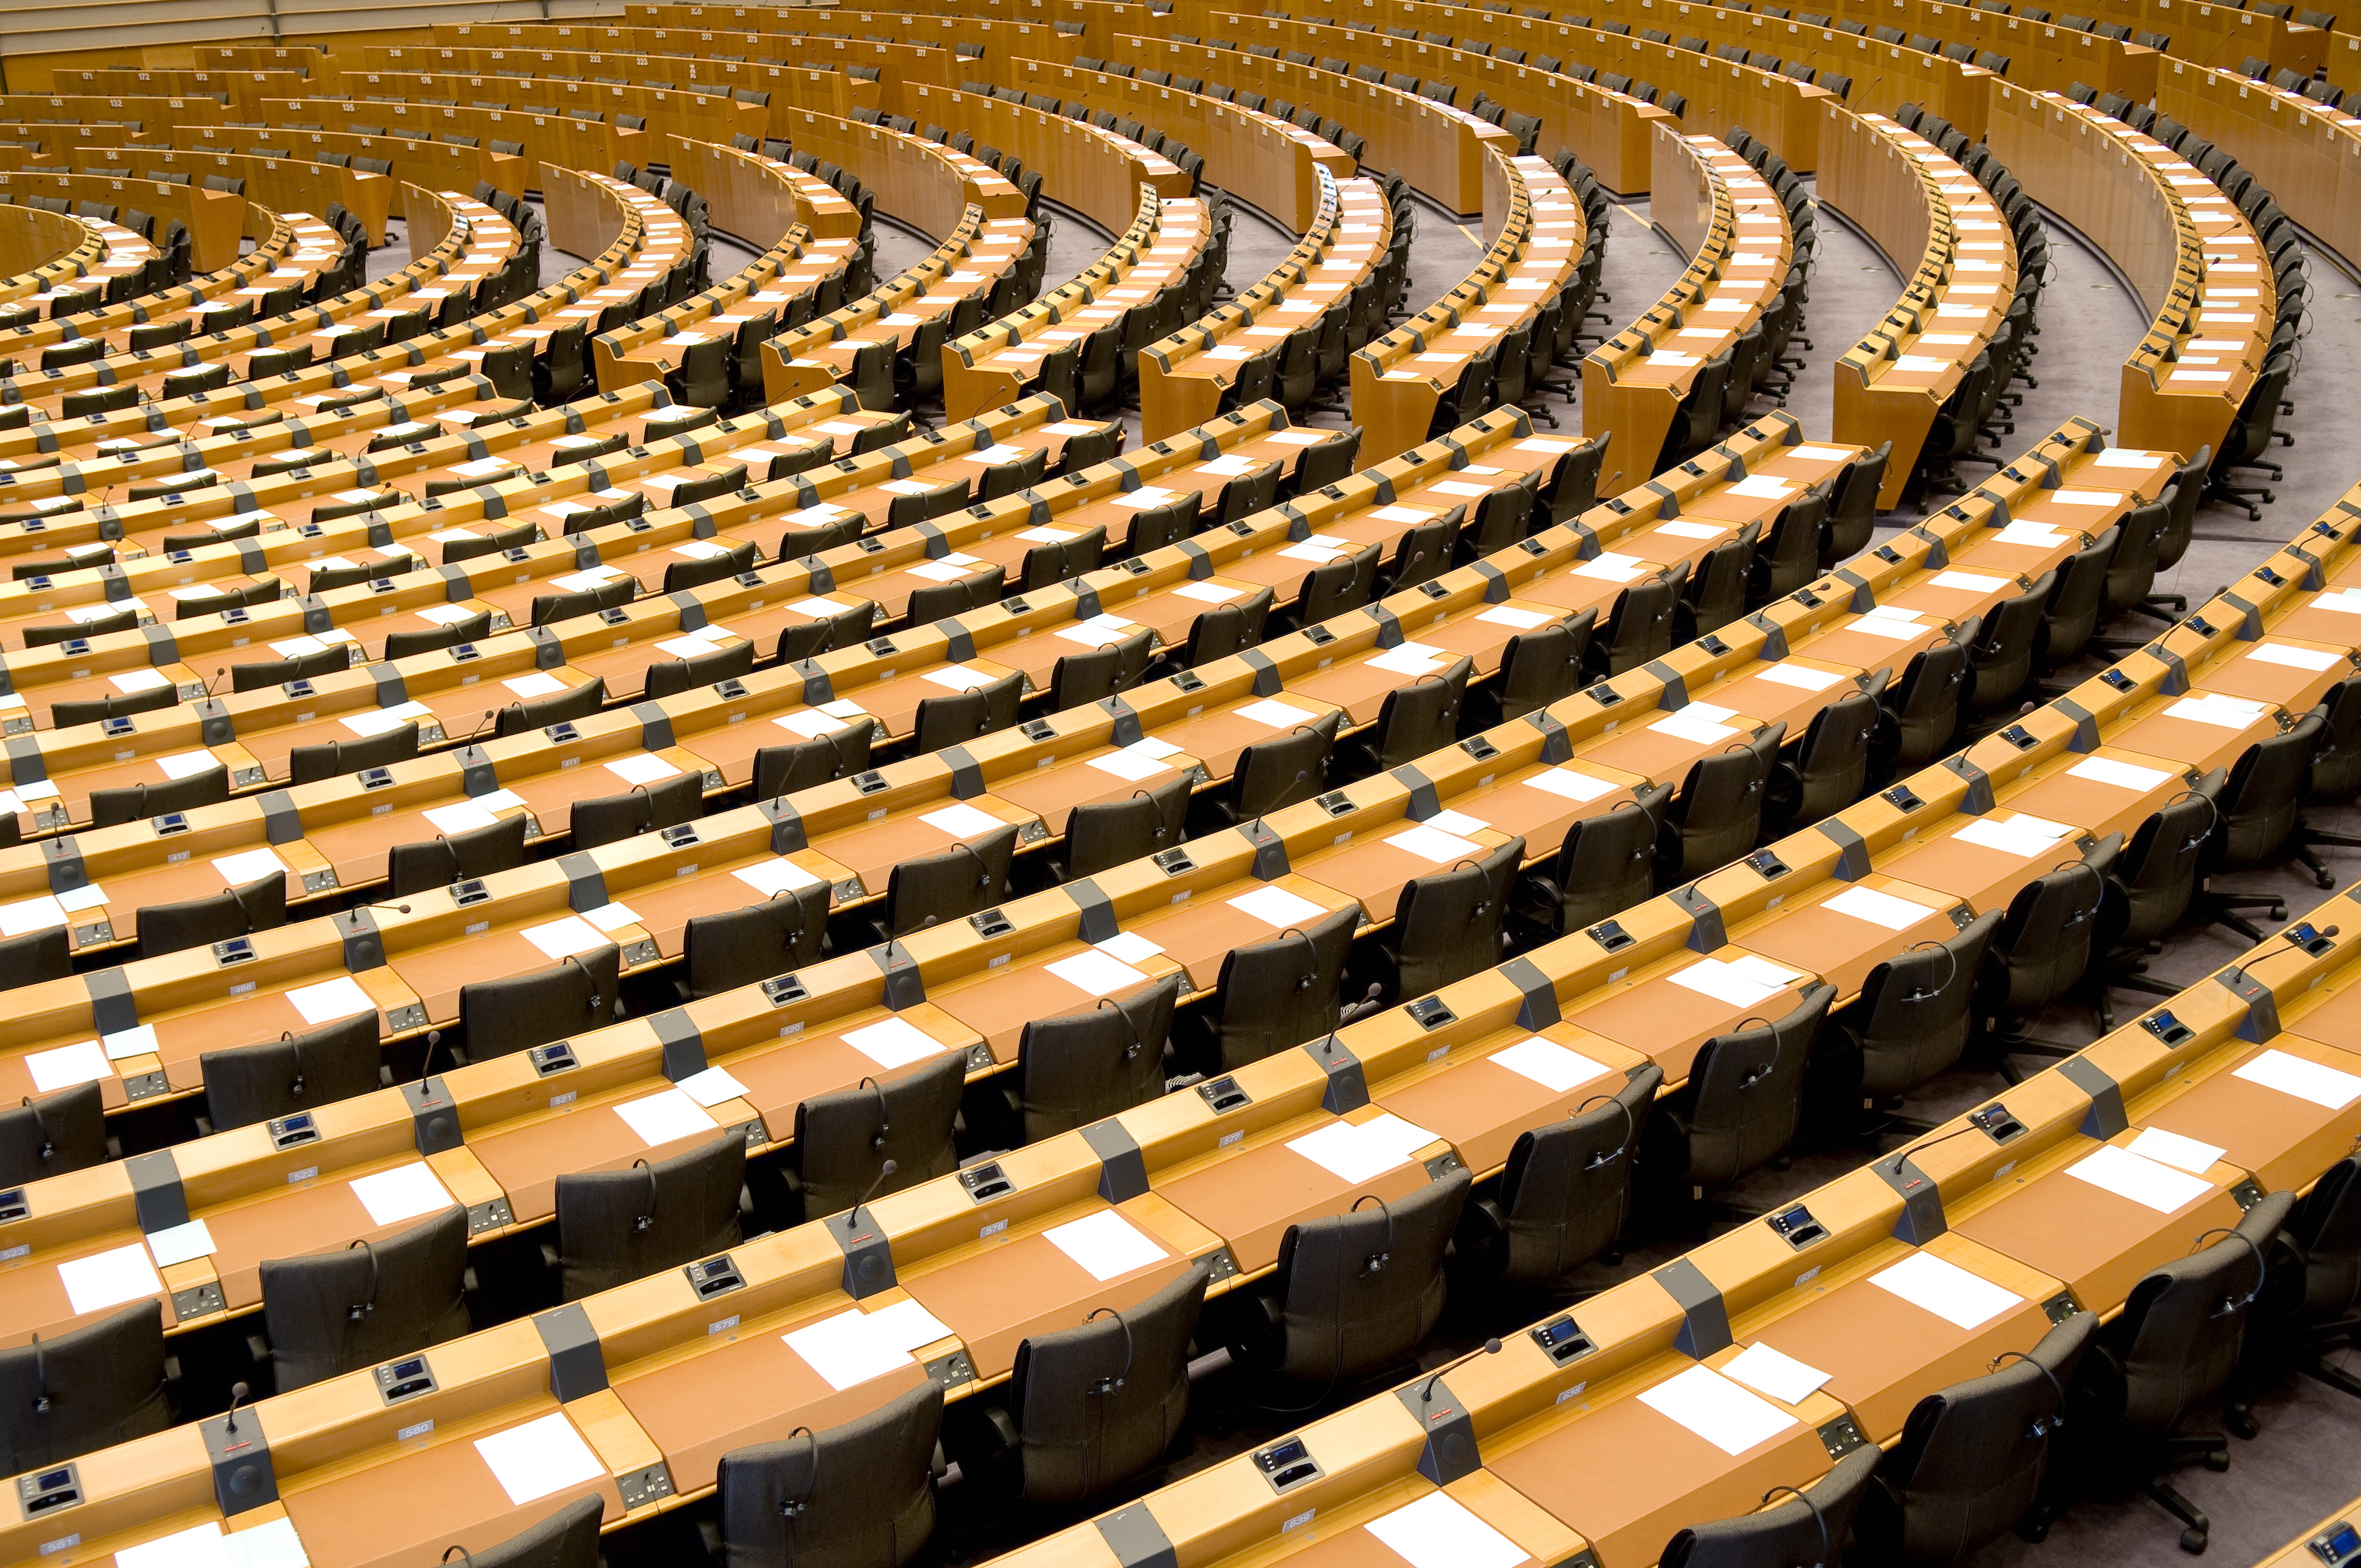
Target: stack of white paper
{"x": 2304, "y": 1079}
{"x": 894, "y": 1043}
{"x": 1409, "y": 659}
{"x": 2312, "y": 659}
{"x": 711, "y": 1087}
{"x": 1717, "y": 1410}
{"x": 1611, "y": 568}
{"x": 1878, "y": 908}
{"x": 1277, "y": 908}
{"x": 1774, "y": 1372}
{"x": 560, "y": 938}
{"x": 1273, "y": 714}
{"x": 538, "y": 684}
{"x": 2223, "y": 712}
{"x": 2021, "y": 835}
{"x": 643, "y": 768}
{"x": 179, "y": 1243}
{"x": 1106, "y": 1244}
{"x": 1129, "y": 947}
{"x": 662, "y": 1117}
{"x": 2116, "y": 1170}
{"x": 109, "y": 1278}
{"x": 1093, "y": 973}
{"x": 1938, "y": 1286}
{"x": 776, "y": 875}
{"x": 1797, "y": 676}
{"x": 1689, "y": 724}
{"x": 405, "y": 1192}
{"x": 1748, "y": 982}
{"x": 963, "y": 821}
{"x": 2172, "y": 1149}
{"x": 2122, "y": 775}
{"x": 1547, "y": 1063}
{"x": 1432, "y": 844}
{"x": 1571, "y": 785}
{"x": 1354, "y": 1153}
{"x": 853, "y": 1347}
{"x": 539, "y": 1458}
{"x": 1439, "y": 1531}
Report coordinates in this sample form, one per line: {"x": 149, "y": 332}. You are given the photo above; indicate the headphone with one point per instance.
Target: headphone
{"x": 1817, "y": 1517}
{"x": 287, "y": 1037}
{"x": 41, "y": 1125}
{"x": 1631, "y": 1129}
{"x": 1920, "y": 993}
{"x": 359, "y": 1311}
{"x": 1131, "y": 1051}
{"x": 1751, "y": 1079}
{"x": 1109, "y": 1385}
{"x": 2040, "y": 1428}
{"x": 2262, "y": 1270}
{"x": 577, "y": 963}
{"x": 1376, "y": 1261}
{"x": 790, "y": 1506}
{"x": 646, "y": 1221}
{"x": 40, "y": 1380}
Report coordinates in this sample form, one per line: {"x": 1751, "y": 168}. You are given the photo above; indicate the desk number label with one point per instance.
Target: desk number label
{"x": 420, "y": 1429}
{"x": 992, "y": 1230}
{"x": 1304, "y": 1517}
{"x": 723, "y": 1327}
{"x": 1229, "y": 1138}
{"x": 60, "y": 1544}
{"x": 1573, "y": 1392}
{"x": 296, "y": 1177}
{"x": 14, "y": 1253}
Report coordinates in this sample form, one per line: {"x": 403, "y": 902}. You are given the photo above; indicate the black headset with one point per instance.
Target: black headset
{"x": 2262, "y": 1270}
{"x": 1378, "y": 1260}
{"x": 2039, "y": 1429}
{"x": 359, "y": 1311}
{"x": 646, "y": 1221}
{"x": 1631, "y": 1129}
{"x": 885, "y": 1123}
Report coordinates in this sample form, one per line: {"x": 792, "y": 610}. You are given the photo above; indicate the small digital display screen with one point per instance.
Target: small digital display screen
{"x": 2344, "y": 1543}
{"x": 1560, "y": 1332}
{"x": 54, "y": 1478}
{"x": 1285, "y": 1454}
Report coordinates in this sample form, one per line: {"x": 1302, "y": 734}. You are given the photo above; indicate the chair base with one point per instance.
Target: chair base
{"x": 2223, "y": 910}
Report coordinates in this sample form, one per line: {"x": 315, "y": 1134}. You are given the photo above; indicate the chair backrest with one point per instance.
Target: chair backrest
{"x": 2002, "y": 659}
{"x": 1606, "y": 863}
{"x": 839, "y": 755}
{"x": 1423, "y": 716}
{"x": 136, "y": 803}
{"x": 1791, "y": 556}
{"x": 2155, "y": 877}
{"x": 1747, "y": 1092}
{"x": 566, "y": 1538}
{"x": 246, "y": 1084}
{"x": 1719, "y": 812}
{"x": 851, "y": 1496}
{"x": 928, "y": 890}
{"x": 333, "y": 1313}
{"x": 1098, "y": 1404}
{"x": 1359, "y": 1290}
{"x": 957, "y": 717}
{"x": 615, "y": 1226}
{"x": 519, "y": 1012}
{"x": 259, "y": 906}
{"x": 2182, "y": 1327}
{"x": 2044, "y": 942}
{"x": 1541, "y": 666}
{"x": 1110, "y": 832}
{"x": 2259, "y": 804}
{"x": 1077, "y": 1068}
{"x": 1280, "y": 771}
{"x": 1924, "y": 706}
{"x": 2322, "y": 1240}
{"x": 843, "y": 1138}
{"x": 457, "y": 856}
{"x": 1970, "y": 1458}
{"x": 1639, "y": 628}
{"x": 1280, "y": 993}
{"x": 49, "y": 1134}
{"x": 1566, "y": 1190}
{"x": 1832, "y": 764}
{"x": 36, "y": 956}
{"x": 2131, "y": 570}
{"x": 578, "y": 702}
{"x": 2073, "y": 613}
{"x": 312, "y": 765}
{"x": 1447, "y": 923}
{"x": 1227, "y": 628}
{"x": 86, "y": 1389}
{"x": 1793, "y": 1532}
{"x": 642, "y": 808}
{"x": 1089, "y": 677}
{"x": 739, "y": 947}
{"x": 1916, "y": 1008}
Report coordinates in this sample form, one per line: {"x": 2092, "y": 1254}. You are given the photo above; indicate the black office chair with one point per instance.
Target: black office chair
{"x": 2044, "y": 945}
{"x": 1272, "y": 773}
{"x": 1537, "y": 668}
{"x": 116, "y": 705}
{"x": 2000, "y": 662}
{"x": 1920, "y": 714}
{"x": 615, "y": 1226}
{"x": 49, "y": 1134}
{"x": 245, "y": 1084}
{"x": 84, "y": 1390}
{"x": 566, "y": 1538}
{"x": 269, "y": 673}
{"x": 2169, "y": 1353}
{"x": 839, "y": 755}
{"x": 1080, "y": 1068}
{"x": 1087, "y": 677}
{"x": 2149, "y": 891}
{"x": 1853, "y": 509}
{"x": 450, "y": 634}
{"x": 455, "y": 857}
{"x": 2071, "y": 615}
{"x": 1811, "y": 1526}
{"x": 1718, "y": 815}
{"x": 861, "y": 1494}
{"x": 1743, "y": 1099}
{"x": 1447, "y": 925}
{"x": 1415, "y": 720}
{"x": 1917, "y": 1009}
{"x": 642, "y": 808}
{"x": 1639, "y": 627}
{"x": 1716, "y": 592}
{"x": 1354, "y": 1294}
{"x": 957, "y": 716}
{"x": 558, "y": 707}
{"x": 138, "y": 803}
{"x": 333, "y": 1313}
{"x": 1563, "y": 1197}
{"x": 515, "y": 1013}
{"x": 2260, "y": 808}
{"x": 1790, "y": 557}
{"x": 1605, "y": 865}
{"x": 2309, "y": 1314}
{"x": 335, "y": 759}
{"x": 258, "y": 905}
{"x": 845, "y": 1139}
{"x": 739, "y": 947}
{"x": 36, "y": 956}
{"x": 1095, "y": 1405}
{"x": 929, "y": 890}
{"x": 669, "y": 677}
{"x": 1106, "y": 833}
{"x": 1828, "y": 769}
{"x": 1275, "y": 993}
{"x": 1971, "y": 1457}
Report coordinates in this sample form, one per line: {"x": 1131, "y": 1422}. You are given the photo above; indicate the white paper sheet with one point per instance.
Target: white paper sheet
{"x": 660, "y": 1118}
{"x": 641, "y": 768}
{"x": 1277, "y": 908}
{"x": 405, "y": 1192}
{"x": 1355, "y": 1153}
{"x": 252, "y": 865}
{"x": 854, "y": 1346}
{"x": 894, "y": 1042}
{"x": 776, "y": 875}
{"x": 959, "y": 677}
{"x": 1093, "y": 973}
{"x": 1570, "y": 784}
{"x": 109, "y": 1278}
{"x": 1801, "y": 678}
{"x": 2310, "y": 659}
{"x": 29, "y": 915}
{"x": 1939, "y": 1286}
{"x": 560, "y": 938}
{"x": 201, "y": 1546}
{"x": 1409, "y": 659}
{"x": 539, "y": 1458}
{"x": 1686, "y": 725}
{"x": 1105, "y": 1244}
{"x": 1547, "y": 1063}
{"x": 1970, "y": 582}
{"x": 2223, "y": 712}
{"x": 271, "y": 1544}
{"x": 178, "y": 1244}
{"x": 711, "y": 1087}
{"x": 1775, "y": 1373}
{"x": 1126, "y": 947}
{"x": 90, "y": 896}
{"x": 1611, "y": 568}
{"x": 1765, "y": 486}
{"x": 1434, "y": 845}
{"x": 2172, "y": 1149}
{"x": 2020, "y": 835}
{"x": 1508, "y": 615}
{"x": 2116, "y": 1169}
{"x": 83, "y": 1062}
{"x": 464, "y": 818}
{"x": 182, "y": 765}
{"x": 2123, "y": 775}
{"x": 2304, "y": 1079}
{"x": 1878, "y": 908}
{"x": 1274, "y": 714}
{"x": 2344, "y": 602}
{"x": 2124, "y": 458}
{"x": 1724, "y": 982}
{"x": 1725, "y": 1415}
{"x": 1125, "y": 765}
{"x": 538, "y": 684}
{"x": 1693, "y": 529}
{"x": 1439, "y": 1531}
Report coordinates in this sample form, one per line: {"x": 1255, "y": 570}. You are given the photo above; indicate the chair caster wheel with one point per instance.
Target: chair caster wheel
{"x": 2218, "y": 1460}
{"x": 2241, "y": 1426}
{"x": 2324, "y": 880}
{"x": 2192, "y": 1541}
{"x": 2036, "y": 1533}
{"x": 2278, "y": 911}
